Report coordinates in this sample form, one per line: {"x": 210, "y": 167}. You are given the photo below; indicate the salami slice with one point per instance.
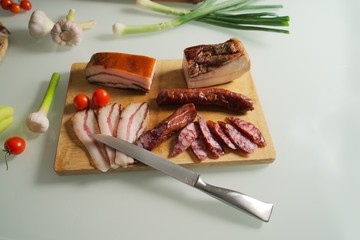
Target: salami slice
{"x": 219, "y": 133}
{"x": 199, "y": 148}
{"x": 237, "y": 138}
{"x": 213, "y": 146}
{"x": 249, "y": 130}
{"x": 186, "y": 136}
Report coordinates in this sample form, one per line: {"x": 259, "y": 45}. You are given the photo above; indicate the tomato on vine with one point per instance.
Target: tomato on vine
{"x": 13, "y": 146}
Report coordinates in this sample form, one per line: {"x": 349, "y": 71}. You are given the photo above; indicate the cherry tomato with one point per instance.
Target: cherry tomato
{"x": 14, "y": 145}
{"x": 5, "y": 4}
{"x": 15, "y": 8}
{"x": 100, "y": 98}
{"x": 26, "y": 5}
{"x": 81, "y": 101}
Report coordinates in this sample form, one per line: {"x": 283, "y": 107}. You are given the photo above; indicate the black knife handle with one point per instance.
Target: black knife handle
{"x": 237, "y": 200}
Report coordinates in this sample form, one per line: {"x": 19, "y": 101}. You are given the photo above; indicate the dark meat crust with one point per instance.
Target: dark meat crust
{"x": 205, "y": 58}
{"x": 206, "y": 96}
{"x": 167, "y": 128}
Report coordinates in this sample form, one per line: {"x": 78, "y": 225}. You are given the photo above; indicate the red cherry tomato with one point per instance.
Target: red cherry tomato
{"x": 81, "y": 101}
{"x": 15, "y": 8}
{"x": 5, "y": 4}
{"x": 14, "y": 145}
{"x": 100, "y": 98}
{"x": 26, "y": 5}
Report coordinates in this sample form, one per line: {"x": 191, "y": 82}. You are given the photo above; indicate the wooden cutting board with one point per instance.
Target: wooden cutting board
{"x": 72, "y": 157}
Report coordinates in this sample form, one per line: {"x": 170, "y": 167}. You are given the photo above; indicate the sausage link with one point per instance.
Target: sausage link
{"x": 168, "y": 127}
{"x": 206, "y": 96}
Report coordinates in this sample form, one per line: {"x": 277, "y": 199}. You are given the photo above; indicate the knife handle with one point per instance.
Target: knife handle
{"x": 237, "y": 200}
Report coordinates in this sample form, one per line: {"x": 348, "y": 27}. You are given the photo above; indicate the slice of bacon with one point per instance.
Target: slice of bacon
{"x": 133, "y": 120}
{"x": 219, "y": 133}
{"x": 108, "y": 119}
{"x": 84, "y": 125}
{"x": 237, "y": 138}
{"x": 186, "y": 136}
{"x": 214, "y": 147}
{"x": 249, "y": 130}
{"x": 199, "y": 148}
{"x": 168, "y": 127}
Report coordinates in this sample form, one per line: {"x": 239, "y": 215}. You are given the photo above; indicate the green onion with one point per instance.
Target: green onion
{"x": 37, "y": 121}
{"x": 219, "y": 13}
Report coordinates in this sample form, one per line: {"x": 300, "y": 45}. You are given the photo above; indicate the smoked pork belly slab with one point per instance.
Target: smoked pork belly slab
{"x": 214, "y": 64}
{"x": 121, "y": 70}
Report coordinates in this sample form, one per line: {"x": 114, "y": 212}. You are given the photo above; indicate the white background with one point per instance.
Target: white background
{"x": 308, "y": 84}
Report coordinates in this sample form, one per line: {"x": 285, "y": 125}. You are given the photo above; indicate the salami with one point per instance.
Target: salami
{"x": 206, "y": 96}
{"x": 237, "y": 138}
{"x": 249, "y": 130}
{"x": 219, "y": 133}
{"x": 186, "y": 136}
{"x": 199, "y": 148}
{"x": 213, "y": 146}
{"x": 168, "y": 127}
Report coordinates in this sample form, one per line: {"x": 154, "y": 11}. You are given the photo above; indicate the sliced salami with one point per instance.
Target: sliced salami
{"x": 213, "y": 146}
{"x": 249, "y": 130}
{"x": 237, "y": 138}
{"x": 186, "y": 136}
{"x": 219, "y": 133}
{"x": 168, "y": 127}
{"x": 199, "y": 148}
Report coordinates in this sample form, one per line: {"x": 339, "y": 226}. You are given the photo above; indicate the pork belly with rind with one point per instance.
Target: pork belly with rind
{"x": 213, "y": 64}
{"x": 121, "y": 70}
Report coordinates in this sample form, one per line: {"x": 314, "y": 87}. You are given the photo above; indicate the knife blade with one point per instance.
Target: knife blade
{"x": 238, "y": 200}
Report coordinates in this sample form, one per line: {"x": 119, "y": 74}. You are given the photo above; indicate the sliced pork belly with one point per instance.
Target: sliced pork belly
{"x": 84, "y": 125}
{"x": 213, "y": 64}
{"x": 121, "y": 70}
{"x": 108, "y": 119}
{"x": 133, "y": 120}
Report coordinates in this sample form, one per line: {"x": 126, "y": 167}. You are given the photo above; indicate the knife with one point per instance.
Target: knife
{"x": 238, "y": 200}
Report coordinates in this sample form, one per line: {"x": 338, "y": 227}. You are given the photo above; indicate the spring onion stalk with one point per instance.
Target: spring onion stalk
{"x": 221, "y": 14}
{"x": 38, "y": 122}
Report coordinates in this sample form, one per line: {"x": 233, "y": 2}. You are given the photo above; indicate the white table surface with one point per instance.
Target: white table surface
{"x": 308, "y": 83}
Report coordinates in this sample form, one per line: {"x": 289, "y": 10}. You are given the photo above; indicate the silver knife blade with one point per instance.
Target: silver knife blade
{"x": 168, "y": 167}
{"x": 238, "y": 200}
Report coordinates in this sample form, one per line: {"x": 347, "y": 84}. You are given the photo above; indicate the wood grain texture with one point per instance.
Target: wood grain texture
{"x": 72, "y": 157}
